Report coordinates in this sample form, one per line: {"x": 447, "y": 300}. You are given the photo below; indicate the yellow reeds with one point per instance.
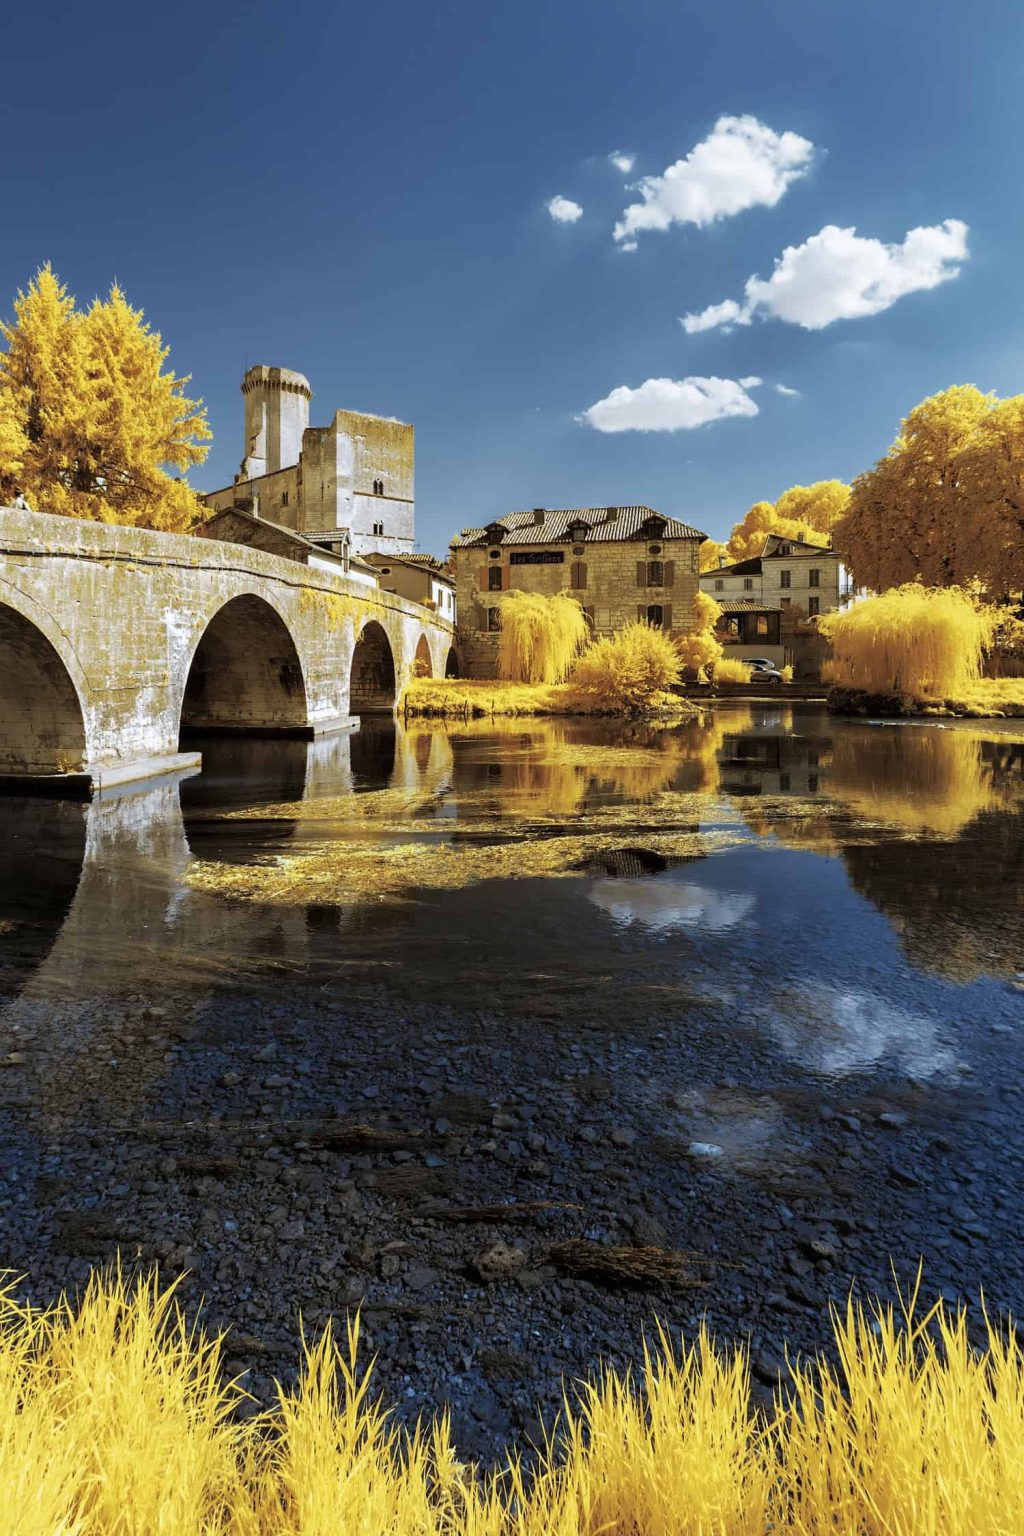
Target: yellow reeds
{"x": 540, "y": 636}
{"x": 730, "y": 670}
{"x": 628, "y": 671}
{"x": 913, "y": 641}
{"x": 116, "y": 1420}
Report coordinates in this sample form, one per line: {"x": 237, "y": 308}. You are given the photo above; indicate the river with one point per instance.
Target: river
{"x": 327, "y": 1021}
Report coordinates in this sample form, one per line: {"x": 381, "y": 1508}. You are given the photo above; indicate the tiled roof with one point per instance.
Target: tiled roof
{"x": 603, "y": 525}
{"x": 748, "y": 605}
{"x": 751, "y": 567}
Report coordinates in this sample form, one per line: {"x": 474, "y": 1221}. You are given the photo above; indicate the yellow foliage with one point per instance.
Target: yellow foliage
{"x": 946, "y": 504}
{"x": 807, "y": 512}
{"x": 472, "y": 698}
{"x": 913, "y": 641}
{"x": 712, "y": 555}
{"x": 701, "y": 649}
{"x": 117, "y": 1421}
{"x": 731, "y": 670}
{"x": 89, "y": 421}
{"x": 627, "y": 671}
{"x": 540, "y": 636}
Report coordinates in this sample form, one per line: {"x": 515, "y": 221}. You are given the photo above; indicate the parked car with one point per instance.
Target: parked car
{"x": 760, "y": 661}
{"x": 766, "y": 672}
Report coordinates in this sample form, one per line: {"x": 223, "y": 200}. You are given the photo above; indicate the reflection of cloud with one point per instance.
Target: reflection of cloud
{"x": 667, "y": 904}
{"x": 836, "y": 1031}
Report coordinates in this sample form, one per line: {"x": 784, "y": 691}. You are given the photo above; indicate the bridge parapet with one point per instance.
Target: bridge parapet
{"x": 116, "y": 641}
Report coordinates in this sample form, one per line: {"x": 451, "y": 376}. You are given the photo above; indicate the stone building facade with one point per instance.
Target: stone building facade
{"x": 622, "y": 563}
{"x": 423, "y": 578}
{"x": 351, "y": 480}
{"x": 770, "y": 602}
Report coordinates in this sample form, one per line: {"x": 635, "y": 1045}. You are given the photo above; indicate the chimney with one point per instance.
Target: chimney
{"x": 721, "y": 562}
{"x": 611, "y": 514}
{"x": 539, "y": 514}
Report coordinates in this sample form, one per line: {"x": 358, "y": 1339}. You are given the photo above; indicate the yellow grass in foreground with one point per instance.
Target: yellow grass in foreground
{"x": 116, "y": 1420}
{"x": 467, "y": 699}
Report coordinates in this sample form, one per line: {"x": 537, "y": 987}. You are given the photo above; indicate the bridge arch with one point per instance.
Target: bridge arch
{"x": 372, "y": 687}
{"x": 42, "y": 720}
{"x": 422, "y": 662}
{"x": 451, "y": 663}
{"x": 245, "y": 673}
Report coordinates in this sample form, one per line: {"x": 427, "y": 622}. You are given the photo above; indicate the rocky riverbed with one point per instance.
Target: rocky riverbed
{"x": 293, "y": 1162}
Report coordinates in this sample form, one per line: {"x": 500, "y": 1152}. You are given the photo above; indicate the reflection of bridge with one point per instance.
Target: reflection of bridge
{"x": 114, "y": 641}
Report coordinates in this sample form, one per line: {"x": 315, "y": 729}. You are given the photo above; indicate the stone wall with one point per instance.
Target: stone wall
{"x": 605, "y": 577}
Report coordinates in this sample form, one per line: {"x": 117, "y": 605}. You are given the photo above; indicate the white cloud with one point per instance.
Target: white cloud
{"x": 784, "y": 389}
{"x": 741, "y": 164}
{"x": 628, "y": 245}
{"x": 751, "y": 382}
{"x": 670, "y": 405}
{"x": 840, "y": 275}
{"x": 564, "y": 211}
{"x": 622, "y": 162}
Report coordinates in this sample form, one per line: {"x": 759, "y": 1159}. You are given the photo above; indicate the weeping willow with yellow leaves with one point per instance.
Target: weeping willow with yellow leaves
{"x": 915, "y": 641}
{"x": 541, "y": 637}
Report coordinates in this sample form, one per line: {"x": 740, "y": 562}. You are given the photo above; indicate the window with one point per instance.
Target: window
{"x": 577, "y": 576}
{"x": 495, "y": 554}
{"x": 378, "y": 487}
{"x": 784, "y": 782}
{"x": 655, "y": 615}
{"x": 284, "y": 498}
{"x": 814, "y": 578}
{"x": 812, "y": 782}
{"x": 385, "y": 570}
{"x": 719, "y": 586}
{"x": 813, "y": 606}
{"x": 783, "y": 549}
{"x": 378, "y": 529}
{"x": 495, "y": 578}
{"x": 493, "y": 619}
{"x": 762, "y": 624}
{"x": 588, "y": 614}
{"x": 579, "y": 551}
{"x": 786, "y": 601}
{"x": 655, "y": 574}
{"x": 654, "y": 549}
{"x": 748, "y": 583}
{"x": 785, "y": 578}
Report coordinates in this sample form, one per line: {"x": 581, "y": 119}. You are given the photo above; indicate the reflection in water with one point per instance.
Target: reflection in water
{"x": 268, "y": 862}
{"x": 666, "y": 903}
{"x": 836, "y": 1031}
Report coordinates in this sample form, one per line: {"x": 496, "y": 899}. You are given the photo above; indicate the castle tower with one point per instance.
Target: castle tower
{"x": 276, "y": 415}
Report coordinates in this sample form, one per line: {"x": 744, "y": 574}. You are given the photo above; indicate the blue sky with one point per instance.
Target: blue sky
{"x": 361, "y": 192}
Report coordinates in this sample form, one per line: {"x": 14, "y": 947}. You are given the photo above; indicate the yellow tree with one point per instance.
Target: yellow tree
{"x": 919, "y": 513}
{"x": 701, "y": 648}
{"x": 712, "y": 554}
{"x": 817, "y": 507}
{"x": 89, "y": 421}
{"x": 992, "y": 496}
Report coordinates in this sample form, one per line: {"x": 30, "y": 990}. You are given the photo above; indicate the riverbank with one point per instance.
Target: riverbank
{"x": 469, "y": 699}
{"x": 988, "y": 699}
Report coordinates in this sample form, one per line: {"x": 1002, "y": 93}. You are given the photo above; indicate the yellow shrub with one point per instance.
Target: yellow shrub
{"x": 627, "y": 670}
{"x": 540, "y": 636}
{"x": 730, "y": 670}
{"x": 701, "y": 650}
{"x": 912, "y": 640}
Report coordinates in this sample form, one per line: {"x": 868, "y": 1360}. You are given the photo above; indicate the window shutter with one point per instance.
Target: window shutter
{"x": 505, "y": 574}
{"x": 641, "y": 573}
{"x": 666, "y": 616}
{"x": 483, "y": 577}
{"x": 641, "y": 612}
{"x": 578, "y": 576}
{"x": 670, "y": 572}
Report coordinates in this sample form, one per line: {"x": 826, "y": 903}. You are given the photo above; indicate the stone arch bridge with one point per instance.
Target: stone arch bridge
{"x": 117, "y": 643}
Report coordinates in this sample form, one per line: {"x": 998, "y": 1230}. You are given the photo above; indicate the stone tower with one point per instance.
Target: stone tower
{"x": 276, "y": 415}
